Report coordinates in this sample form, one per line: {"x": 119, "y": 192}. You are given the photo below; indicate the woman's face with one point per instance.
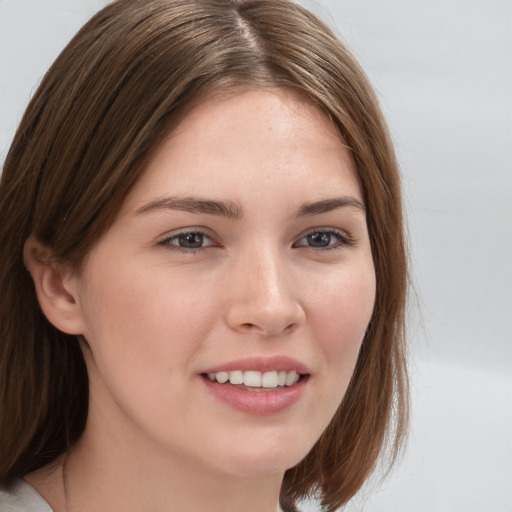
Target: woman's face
{"x": 242, "y": 253}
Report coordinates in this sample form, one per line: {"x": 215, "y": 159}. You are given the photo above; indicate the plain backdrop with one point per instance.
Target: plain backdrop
{"x": 443, "y": 71}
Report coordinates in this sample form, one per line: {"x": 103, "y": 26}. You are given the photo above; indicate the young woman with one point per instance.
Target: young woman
{"x": 202, "y": 268}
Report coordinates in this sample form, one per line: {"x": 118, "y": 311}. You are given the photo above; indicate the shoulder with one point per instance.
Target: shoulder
{"x": 21, "y": 497}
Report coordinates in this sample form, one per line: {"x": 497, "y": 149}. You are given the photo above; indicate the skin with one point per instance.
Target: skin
{"x": 155, "y": 315}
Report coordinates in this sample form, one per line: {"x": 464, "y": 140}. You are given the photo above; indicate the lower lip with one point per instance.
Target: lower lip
{"x": 257, "y": 402}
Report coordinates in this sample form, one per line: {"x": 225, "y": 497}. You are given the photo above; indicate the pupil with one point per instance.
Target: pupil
{"x": 319, "y": 239}
{"x": 191, "y": 240}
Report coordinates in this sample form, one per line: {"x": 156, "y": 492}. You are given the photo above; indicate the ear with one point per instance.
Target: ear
{"x": 56, "y": 285}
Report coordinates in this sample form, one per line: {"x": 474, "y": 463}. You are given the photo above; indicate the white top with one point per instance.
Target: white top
{"x": 21, "y": 497}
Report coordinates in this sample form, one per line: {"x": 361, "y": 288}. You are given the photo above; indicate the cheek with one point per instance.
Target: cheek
{"x": 144, "y": 316}
{"x": 344, "y": 305}
{"x": 341, "y": 318}
{"x": 144, "y": 330}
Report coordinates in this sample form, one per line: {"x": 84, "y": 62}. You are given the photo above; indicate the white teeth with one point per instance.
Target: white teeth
{"x": 269, "y": 380}
{"x": 291, "y": 378}
{"x": 236, "y": 377}
{"x": 254, "y": 379}
{"x": 222, "y": 377}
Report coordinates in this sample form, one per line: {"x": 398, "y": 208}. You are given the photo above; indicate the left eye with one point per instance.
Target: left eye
{"x": 188, "y": 240}
{"x": 323, "y": 240}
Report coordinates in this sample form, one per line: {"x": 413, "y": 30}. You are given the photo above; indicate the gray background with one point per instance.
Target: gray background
{"x": 443, "y": 71}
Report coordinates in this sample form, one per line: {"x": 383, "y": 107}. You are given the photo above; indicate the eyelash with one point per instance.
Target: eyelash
{"x": 342, "y": 240}
{"x": 187, "y": 250}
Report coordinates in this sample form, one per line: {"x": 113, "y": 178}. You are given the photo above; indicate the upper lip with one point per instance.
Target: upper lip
{"x": 261, "y": 364}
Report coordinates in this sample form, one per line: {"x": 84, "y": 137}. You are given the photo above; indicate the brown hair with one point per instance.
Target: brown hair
{"x": 100, "y": 112}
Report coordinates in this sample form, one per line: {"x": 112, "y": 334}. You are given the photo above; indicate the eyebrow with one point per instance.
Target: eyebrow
{"x": 233, "y": 210}
{"x": 328, "y": 205}
{"x": 228, "y": 209}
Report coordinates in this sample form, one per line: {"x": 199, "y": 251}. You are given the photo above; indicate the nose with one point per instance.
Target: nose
{"x": 264, "y": 296}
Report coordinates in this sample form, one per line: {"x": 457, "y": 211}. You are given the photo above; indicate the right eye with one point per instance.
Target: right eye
{"x": 188, "y": 241}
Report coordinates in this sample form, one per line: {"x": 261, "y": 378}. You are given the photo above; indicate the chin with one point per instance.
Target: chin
{"x": 267, "y": 456}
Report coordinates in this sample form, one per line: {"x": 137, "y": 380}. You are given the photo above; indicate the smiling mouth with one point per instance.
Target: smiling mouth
{"x": 256, "y": 381}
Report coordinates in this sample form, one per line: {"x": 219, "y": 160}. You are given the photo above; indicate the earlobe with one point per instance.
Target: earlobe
{"x": 56, "y": 287}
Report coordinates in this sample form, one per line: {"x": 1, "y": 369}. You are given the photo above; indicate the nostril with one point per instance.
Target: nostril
{"x": 290, "y": 327}
{"x": 247, "y": 326}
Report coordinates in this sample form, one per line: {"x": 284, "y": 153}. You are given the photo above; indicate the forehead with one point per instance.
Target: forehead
{"x": 238, "y": 143}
